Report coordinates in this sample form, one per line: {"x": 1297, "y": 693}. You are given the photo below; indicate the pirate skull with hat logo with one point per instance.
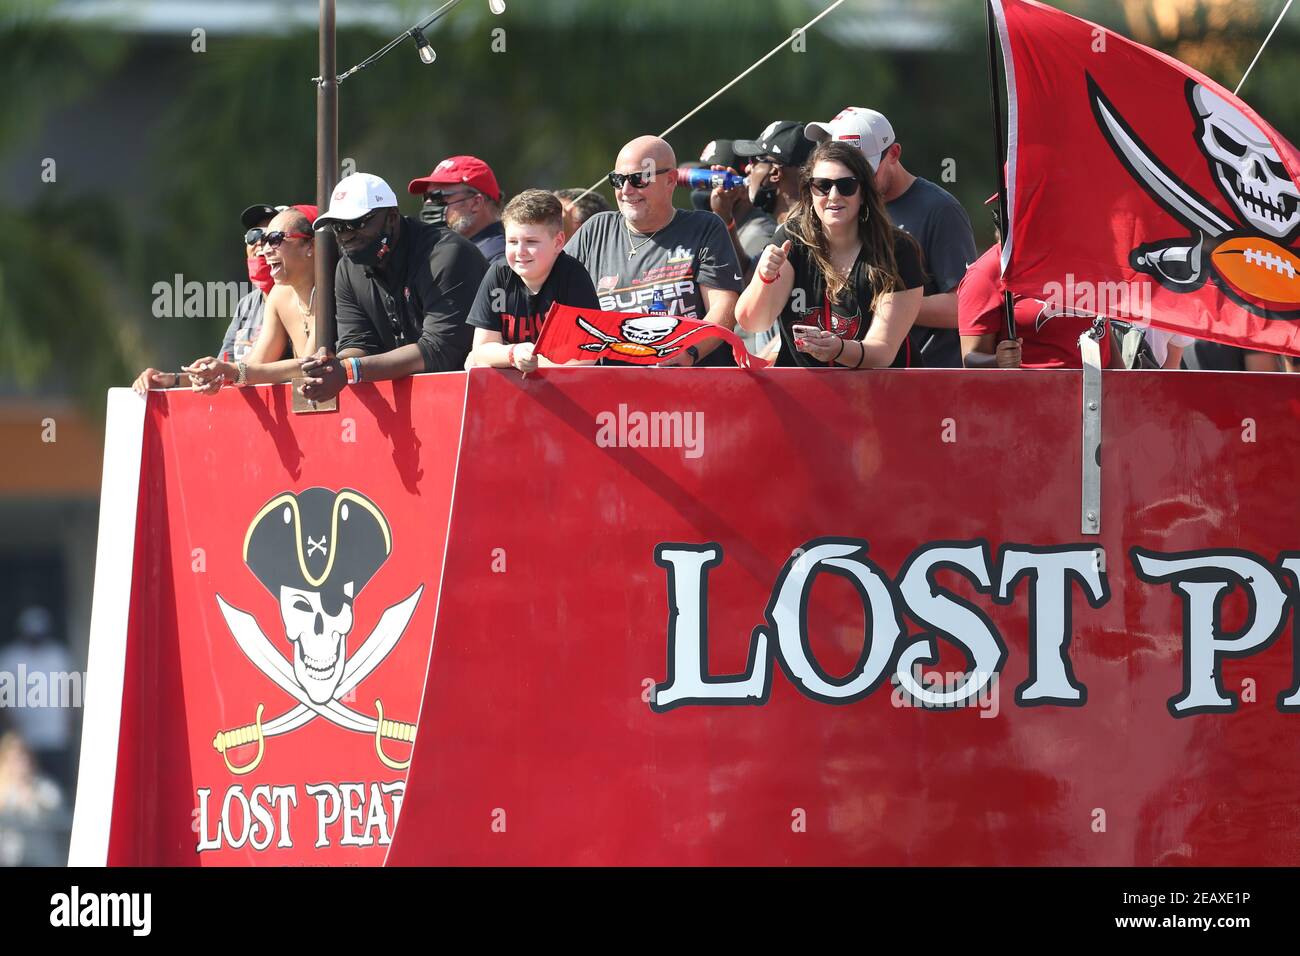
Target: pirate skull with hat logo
{"x": 315, "y": 551}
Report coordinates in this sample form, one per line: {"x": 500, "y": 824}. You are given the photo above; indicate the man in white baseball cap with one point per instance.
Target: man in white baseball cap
{"x": 402, "y": 291}
{"x": 926, "y": 211}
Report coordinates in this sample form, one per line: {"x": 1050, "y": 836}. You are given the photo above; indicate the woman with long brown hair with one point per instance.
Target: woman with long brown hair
{"x": 842, "y": 283}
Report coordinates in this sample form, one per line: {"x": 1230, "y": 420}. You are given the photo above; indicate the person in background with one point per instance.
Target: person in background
{"x": 648, "y": 246}
{"x": 44, "y": 725}
{"x": 1047, "y": 335}
{"x": 246, "y": 320}
{"x": 286, "y": 245}
{"x": 34, "y": 821}
{"x": 929, "y": 213}
{"x": 749, "y": 223}
{"x": 463, "y": 192}
{"x": 1212, "y": 357}
{"x": 402, "y": 292}
{"x": 858, "y": 278}
{"x": 579, "y": 206}
{"x": 775, "y": 165}
{"x": 514, "y": 297}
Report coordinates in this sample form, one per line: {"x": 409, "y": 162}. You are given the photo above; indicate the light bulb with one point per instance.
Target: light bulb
{"x": 427, "y": 56}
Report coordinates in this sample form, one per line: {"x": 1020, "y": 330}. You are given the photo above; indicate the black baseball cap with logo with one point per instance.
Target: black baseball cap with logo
{"x": 719, "y": 152}
{"x": 259, "y": 212}
{"x": 783, "y": 142}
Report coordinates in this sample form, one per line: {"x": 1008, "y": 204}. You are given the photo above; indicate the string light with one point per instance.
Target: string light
{"x": 416, "y": 33}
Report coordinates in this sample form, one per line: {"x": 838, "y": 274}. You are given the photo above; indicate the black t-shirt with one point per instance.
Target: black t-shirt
{"x": 505, "y": 305}
{"x": 1213, "y": 357}
{"x": 848, "y": 316}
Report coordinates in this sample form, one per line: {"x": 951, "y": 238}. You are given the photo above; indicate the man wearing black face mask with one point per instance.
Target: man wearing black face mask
{"x": 402, "y": 291}
{"x": 463, "y": 193}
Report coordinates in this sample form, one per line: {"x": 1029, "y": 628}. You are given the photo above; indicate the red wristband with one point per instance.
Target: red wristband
{"x": 765, "y": 280}
{"x": 510, "y": 354}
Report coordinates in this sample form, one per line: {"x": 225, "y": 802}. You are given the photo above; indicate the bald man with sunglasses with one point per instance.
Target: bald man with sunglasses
{"x": 648, "y": 246}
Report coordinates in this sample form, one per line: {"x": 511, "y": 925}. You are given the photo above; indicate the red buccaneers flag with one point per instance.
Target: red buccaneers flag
{"x": 1140, "y": 188}
{"x": 636, "y": 337}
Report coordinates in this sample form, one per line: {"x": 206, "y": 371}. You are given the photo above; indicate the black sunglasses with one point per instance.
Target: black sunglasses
{"x": 637, "y": 180}
{"x": 436, "y": 197}
{"x": 273, "y": 239}
{"x": 822, "y": 187}
{"x": 342, "y": 228}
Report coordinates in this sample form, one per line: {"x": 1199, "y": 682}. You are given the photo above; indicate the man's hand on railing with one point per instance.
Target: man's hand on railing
{"x": 323, "y": 376}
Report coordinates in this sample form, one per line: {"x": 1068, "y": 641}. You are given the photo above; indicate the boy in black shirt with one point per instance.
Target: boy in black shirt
{"x": 515, "y": 296}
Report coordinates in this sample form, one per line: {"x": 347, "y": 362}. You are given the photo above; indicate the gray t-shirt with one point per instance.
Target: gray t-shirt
{"x": 245, "y": 327}
{"x": 755, "y": 231}
{"x": 936, "y": 220}
{"x": 693, "y": 250}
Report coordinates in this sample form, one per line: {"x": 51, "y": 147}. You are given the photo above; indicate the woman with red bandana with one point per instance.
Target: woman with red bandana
{"x": 286, "y": 245}
{"x": 246, "y": 322}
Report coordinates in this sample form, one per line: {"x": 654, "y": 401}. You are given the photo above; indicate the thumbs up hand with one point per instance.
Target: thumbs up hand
{"x": 771, "y": 261}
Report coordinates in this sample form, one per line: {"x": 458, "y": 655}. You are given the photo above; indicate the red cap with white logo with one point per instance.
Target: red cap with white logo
{"x": 355, "y": 196}
{"x": 866, "y": 129}
{"x": 469, "y": 170}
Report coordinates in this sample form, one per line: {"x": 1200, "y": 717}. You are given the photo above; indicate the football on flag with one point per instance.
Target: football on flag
{"x": 1260, "y": 271}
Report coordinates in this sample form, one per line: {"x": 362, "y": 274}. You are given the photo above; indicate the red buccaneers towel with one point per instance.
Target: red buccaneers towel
{"x": 1141, "y": 189}
{"x": 571, "y": 333}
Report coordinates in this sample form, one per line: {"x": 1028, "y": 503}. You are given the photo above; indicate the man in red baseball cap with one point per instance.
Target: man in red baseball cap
{"x": 463, "y": 192}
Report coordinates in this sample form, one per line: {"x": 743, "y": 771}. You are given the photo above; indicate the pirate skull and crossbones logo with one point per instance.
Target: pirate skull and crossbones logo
{"x": 1250, "y": 258}
{"x": 315, "y": 551}
{"x": 642, "y": 336}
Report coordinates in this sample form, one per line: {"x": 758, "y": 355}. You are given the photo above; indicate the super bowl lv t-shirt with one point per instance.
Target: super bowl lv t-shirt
{"x": 504, "y": 304}
{"x": 693, "y": 250}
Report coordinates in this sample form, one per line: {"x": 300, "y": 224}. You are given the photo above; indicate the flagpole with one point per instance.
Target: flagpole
{"x": 995, "y": 89}
{"x": 327, "y": 164}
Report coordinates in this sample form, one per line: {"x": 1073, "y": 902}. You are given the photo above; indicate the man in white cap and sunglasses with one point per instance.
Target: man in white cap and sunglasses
{"x": 402, "y": 291}
{"x": 927, "y": 212}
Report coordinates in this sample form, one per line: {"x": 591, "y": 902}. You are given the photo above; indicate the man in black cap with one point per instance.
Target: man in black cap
{"x": 749, "y": 227}
{"x": 775, "y": 160}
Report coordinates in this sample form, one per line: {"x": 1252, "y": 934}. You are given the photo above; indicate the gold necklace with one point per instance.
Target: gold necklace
{"x": 307, "y": 312}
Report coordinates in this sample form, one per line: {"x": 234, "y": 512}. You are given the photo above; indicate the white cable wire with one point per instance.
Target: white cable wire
{"x": 767, "y": 56}
{"x": 1261, "y": 49}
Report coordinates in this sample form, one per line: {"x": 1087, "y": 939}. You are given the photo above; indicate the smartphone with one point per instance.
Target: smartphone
{"x": 803, "y": 331}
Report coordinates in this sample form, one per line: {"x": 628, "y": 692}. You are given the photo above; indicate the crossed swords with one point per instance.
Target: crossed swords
{"x": 607, "y": 340}
{"x": 263, "y": 655}
{"x": 1155, "y": 178}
